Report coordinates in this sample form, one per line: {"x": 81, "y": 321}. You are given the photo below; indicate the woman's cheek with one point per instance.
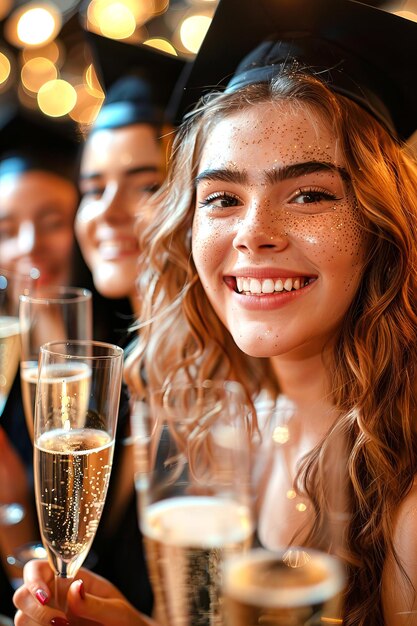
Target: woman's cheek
{"x": 208, "y": 240}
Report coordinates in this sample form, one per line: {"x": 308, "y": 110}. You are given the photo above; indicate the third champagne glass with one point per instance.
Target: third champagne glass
{"x": 12, "y": 285}
{"x": 298, "y": 577}
{"x": 77, "y": 400}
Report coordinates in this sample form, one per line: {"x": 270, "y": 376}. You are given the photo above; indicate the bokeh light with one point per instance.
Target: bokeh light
{"x": 5, "y": 8}
{"x": 92, "y": 83}
{"x": 51, "y": 51}
{"x": 57, "y": 98}
{"x": 5, "y": 69}
{"x": 36, "y": 72}
{"x": 161, "y": 44}
{"x": 38, "y": 25}
{"x": 193, "y": 30}
{"x": 87, "y": 106}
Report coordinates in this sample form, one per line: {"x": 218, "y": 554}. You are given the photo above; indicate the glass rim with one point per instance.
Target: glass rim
{"x": 116, "y": 353}
{"x": 329, "y": 562}
{"x": 76, "y": 294}
{"x": 208, "y": 383}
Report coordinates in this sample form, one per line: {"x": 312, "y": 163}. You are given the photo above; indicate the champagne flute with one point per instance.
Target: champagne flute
{"x": 193, "y": 481}
{"x": 12, "y": 285}
{"x": 77, "y": 399}
{"x": 297, "y": 578}
{"x": 53, "y": 313}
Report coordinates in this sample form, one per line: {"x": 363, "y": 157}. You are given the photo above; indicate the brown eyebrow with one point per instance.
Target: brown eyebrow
{"x": 274, "y": 175}
{"x": 129, "y": 172}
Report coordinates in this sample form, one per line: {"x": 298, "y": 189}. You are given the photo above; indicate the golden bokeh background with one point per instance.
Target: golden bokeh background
{"x": 45, "y": 61}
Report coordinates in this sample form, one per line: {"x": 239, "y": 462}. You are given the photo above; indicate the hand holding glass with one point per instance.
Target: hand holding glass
{"x": 76, "y": 410}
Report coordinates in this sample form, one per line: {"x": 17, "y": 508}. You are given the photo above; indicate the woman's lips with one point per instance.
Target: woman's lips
{"x": 270, "y": 292}
{"x": 118, "y": 248}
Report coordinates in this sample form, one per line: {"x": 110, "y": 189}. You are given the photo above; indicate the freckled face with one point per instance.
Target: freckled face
{"x": 275, "y": 239}
{"x": 120, "y": 169}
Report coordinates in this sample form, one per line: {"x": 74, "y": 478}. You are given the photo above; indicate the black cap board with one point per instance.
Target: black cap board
{"x": 139, "y": 82}
{"x": 31, "y": 141}
{"x": 363, "y": 52}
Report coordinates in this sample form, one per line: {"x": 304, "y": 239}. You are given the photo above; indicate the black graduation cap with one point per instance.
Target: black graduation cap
{"x": 360, "y": 51}
{"x": 31, "y": 141}
{"x": 140, "y": 82}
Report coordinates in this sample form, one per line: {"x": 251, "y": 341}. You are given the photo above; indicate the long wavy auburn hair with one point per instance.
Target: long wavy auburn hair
{"x": 373, "y": 362}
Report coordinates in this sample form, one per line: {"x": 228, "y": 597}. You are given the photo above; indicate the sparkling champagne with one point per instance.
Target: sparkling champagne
{"x": 28, "y": 380}
{"x": 72, "y": 472}
{"x": 187, "y": 539}
{"x": 292, "y": 588}
{"x": 9, "y": 355}
{"x": 66, "y": 386}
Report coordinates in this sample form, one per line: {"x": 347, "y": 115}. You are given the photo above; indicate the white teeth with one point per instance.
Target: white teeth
{"x": 257, "y": 286}
{"x": 268, "y": 286}
{"x": 288, "y": 284}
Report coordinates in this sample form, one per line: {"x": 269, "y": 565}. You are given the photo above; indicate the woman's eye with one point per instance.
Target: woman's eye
{"x": 220, "y": 200}
{"x": 91, "y": 194}
{"x": 311, "y": 196}
{"x": 150, "y": 188}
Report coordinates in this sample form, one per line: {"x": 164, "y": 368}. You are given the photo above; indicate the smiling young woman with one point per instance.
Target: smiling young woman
{"x": 283, "y": 255}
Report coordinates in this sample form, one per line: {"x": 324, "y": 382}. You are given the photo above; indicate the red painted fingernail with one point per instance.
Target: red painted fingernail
{"x": 59, "y": 621}
{"x": 81, "y": 589}
{"x": 42, "y": 596}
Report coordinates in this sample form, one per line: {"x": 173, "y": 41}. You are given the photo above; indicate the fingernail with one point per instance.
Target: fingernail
{"x": 42, "y": 596}
{"x": 81, "y": 589}
{"x": 59, "y": 621}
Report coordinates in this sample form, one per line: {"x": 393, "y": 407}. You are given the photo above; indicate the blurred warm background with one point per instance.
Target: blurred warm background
{"x": 44, "y": 58}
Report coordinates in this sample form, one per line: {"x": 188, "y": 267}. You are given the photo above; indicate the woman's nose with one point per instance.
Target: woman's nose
{"x": 261, "y": 230}
{"x": 112, "y": 204}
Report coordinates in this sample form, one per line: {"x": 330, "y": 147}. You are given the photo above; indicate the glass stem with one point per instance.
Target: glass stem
{"x": 62, "y": 584}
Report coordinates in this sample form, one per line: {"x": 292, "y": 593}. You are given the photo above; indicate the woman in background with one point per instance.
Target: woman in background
{"x": 38, "y": 201}
{"x": 123, "y": 163}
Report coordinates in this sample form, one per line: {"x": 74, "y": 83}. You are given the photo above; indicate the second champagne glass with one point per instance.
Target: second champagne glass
{"x": 76, "y": 410}
{"x": 53, "y": 313}
{"x": 194, "y": 494}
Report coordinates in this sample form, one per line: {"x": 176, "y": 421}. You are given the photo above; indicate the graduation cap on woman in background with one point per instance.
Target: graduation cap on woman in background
{"x": 32, "y": 141}
{"x": 362, "y": 52}
{"x": 141, "y": 83}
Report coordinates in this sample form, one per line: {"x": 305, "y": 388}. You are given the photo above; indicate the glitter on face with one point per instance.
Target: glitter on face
{"x": 260, "y": 213}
